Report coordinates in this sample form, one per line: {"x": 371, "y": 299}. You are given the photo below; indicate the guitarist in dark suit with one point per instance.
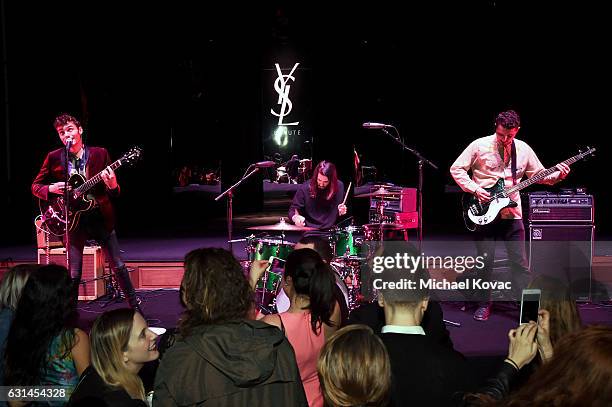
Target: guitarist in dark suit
{"x": 97, "y": 223}
{"x": 490, "y": 158}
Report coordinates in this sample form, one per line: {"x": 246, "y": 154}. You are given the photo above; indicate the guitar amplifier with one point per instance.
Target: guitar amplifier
{"x": 404, "y": 201}
{"x": 410, "y": 220}
{"x": 565, "y": 253}
{"x": 560, "y": 208}
{"x": 93, "y": 268}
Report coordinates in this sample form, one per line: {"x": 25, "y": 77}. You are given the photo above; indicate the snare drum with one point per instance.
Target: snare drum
{"x": 263, "y": 249}
{"x": 347, "y": 241}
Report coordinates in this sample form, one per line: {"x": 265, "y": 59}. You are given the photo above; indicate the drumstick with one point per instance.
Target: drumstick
{"x": 347, "y": 192}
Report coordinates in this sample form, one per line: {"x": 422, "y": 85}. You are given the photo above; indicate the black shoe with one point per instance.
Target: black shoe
{"x": 482, "y": 313}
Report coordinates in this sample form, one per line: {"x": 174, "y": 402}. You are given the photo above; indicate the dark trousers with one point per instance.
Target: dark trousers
{"x": 512, "y": 233}
{"x": 91, "y": 227}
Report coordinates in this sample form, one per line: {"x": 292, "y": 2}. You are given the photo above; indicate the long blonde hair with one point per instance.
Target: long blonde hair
{"x": 13, "y": 282}
{"x": 109, "y": 337}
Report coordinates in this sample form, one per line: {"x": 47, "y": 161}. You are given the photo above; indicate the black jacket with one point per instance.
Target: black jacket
{"x": 245, "y": 363}
{"x": 373, "y": 315}
{"x": 93, "y": 392}
{"x": 425, "y": 373}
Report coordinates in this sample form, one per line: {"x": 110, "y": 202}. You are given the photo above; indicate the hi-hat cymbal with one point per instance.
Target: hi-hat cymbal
{"x": 382, "y": 191}
{"x": 283, "y": 226}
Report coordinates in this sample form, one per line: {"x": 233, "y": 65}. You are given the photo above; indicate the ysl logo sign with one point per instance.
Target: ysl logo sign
{"x": 282, "y": 88}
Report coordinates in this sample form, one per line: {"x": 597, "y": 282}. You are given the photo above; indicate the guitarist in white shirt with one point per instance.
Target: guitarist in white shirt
{"x": 489, "y": 159}
{"x": 96, "y": 223}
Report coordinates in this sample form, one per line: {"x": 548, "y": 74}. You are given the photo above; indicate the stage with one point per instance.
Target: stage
{"x": 156, "y": 263}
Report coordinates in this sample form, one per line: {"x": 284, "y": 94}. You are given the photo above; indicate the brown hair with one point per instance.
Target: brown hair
{"x": 110, "y": 336}
{"x": 556, "y": 299}
{"x": 354, "y": 368}
{"x": 329, "y": 170}
{"x": 580, "y": 373}
{"x": 64, "y": 119}
{"x": 508, "y": 119}
{"x": 214, "y": 289}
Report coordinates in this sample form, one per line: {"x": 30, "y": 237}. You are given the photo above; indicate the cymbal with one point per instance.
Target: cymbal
{"x": 382, "y": 191}
{"x": 282, "y": 226}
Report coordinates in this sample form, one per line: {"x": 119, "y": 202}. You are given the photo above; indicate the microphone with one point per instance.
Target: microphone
{"x": 371, "y": 125}
{"x": 265, "y": 164}
{"x": 69, "y": 143}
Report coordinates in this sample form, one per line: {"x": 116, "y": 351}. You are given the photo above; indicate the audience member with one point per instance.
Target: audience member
{"x": 373, "y": 315}
{"x": 313, "y": 313}
{"x": 556, "y": 299}
{"x": 424, "y": 372}
{"x": 322, "y": 246}
{"x": 121, "y": 344}
{"x": 221, "y": 358}
{"x": 579, "y": 373}
{"x": 11, "y": 287}
{"x": 354, "y": 369}
{"x": 44, "y": 348}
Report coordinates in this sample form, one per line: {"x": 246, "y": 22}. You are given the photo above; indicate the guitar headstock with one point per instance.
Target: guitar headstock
{"x": 132, "y": 156}
{"x": 587, "y": 151}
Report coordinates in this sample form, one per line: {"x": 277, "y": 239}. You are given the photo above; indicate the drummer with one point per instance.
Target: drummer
{"x": 318, "y": 201}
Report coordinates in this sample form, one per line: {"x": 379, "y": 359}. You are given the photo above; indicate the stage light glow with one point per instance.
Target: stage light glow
{"x": 281, "y": 136}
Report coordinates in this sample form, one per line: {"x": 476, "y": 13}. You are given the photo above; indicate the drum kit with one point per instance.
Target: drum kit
{"x": 304, "y": 172}
{"x": 352, "y": 246}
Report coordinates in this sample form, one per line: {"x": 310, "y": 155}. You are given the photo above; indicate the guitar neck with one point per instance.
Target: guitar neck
{"x": 543, "y": 174}
{"x": 96, "y": 178}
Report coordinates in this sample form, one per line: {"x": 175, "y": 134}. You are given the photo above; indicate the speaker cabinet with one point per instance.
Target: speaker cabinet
{"x": 92, "y": 285}
{"x": 564, "y": 252}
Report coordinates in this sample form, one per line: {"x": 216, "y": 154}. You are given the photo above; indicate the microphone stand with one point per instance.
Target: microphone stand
{"x": 422, "y": 160}
{"x": 230, "y": 194}
{"x": 67, "y": 213}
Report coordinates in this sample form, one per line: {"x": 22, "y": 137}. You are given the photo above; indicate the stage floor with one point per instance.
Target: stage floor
{"x": 472, "y": 338}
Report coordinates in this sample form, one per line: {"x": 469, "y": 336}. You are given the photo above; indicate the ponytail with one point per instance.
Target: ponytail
{"x": 312, "y": 277}
{"x": 321, "y": 293}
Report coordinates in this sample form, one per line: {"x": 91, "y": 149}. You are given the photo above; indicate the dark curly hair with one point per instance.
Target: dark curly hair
{"x": 508, "y": 119}
{"x": 46, "y": 309}
{"x": 64, "y": 119}
{"x": 214, "y": 289}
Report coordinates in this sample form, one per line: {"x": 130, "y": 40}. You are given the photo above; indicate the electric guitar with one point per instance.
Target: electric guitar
{"x": 52, "y": 211}
{"x": 482, "y": 213}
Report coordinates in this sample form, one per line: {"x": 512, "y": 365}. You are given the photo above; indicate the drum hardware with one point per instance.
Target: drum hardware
{"x": 380, "y": 193}
{"x": 253, "y": 168}
{"x": 421, "y": 161}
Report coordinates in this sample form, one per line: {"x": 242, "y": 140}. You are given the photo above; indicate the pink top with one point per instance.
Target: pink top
{"x": 307, "y": 347}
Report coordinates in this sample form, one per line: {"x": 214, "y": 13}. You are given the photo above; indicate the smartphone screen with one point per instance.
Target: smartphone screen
{"x": 530, "y": 305}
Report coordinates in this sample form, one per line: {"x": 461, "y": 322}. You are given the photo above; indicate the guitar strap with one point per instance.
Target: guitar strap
{"x": 513, "y": 164}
